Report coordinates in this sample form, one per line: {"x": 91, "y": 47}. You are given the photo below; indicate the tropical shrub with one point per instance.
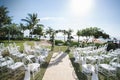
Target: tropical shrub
{"x": 58, "y": 42}
{"x": 111, "y": 46}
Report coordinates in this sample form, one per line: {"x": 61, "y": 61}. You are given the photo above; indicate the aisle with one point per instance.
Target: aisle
{"x": 60, "y": 68}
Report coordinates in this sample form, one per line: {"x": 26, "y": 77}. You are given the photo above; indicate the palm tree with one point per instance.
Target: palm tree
{"x": 49, "y": 31}
{"x": 11, "y": 31}
{"x": 4, "y": 18}
{"x": 5, "y": 21}
{"x": 53, "y": 40}
{"x": 38, "y": 30}
{"x": 32, "y": 21}
{"x": 23, "y": 27}
{"x": 14, "y": 30}
{"x": 69, "y": 32}
{"x": 7, "y": 30}
{"x": 78, "y": 34}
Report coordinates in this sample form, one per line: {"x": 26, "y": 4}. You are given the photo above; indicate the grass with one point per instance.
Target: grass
{"x": 6, "y": 74}
{"x": 81, "y": 76}
{"x": 12, "y": 76}
{"x": 40, "y": 74}
{"x": 77, "y": 68}
{"x": 44, "y": 66}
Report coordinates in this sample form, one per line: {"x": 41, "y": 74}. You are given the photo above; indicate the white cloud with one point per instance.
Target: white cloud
{"x": 51, "y": 18}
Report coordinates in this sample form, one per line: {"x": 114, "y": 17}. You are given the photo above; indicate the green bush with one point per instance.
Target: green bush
{"x": 26, "y": 38}
{"x": 74, "y": 43}
{"x": 36, "y": 39}
{"x": 65, "y": 43}
{"x": 19, "y": 38}
{"x": 111, "y": 46}
{"x": 58, "y": 42}
{"x": 98, "y": 44}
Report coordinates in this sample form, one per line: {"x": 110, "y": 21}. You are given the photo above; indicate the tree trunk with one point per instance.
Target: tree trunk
{"x": 68, "y": 43}
{"x": 30, "y": 34}
{"x": 53, "y": 42}
{"x": 87, "y": 39}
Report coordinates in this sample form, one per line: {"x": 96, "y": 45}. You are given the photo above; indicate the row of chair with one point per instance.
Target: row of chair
{"x": 28, "y": 61}
{"x": 107, "y": 62}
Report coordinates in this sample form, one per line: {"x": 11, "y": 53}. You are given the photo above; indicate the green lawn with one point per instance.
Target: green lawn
{"x": 81, "y": 76}
{"x": 77, "y": 68}
{"x": 44, "y": 66}
{"x": 40, "y": 74}
{"x": 4, "y": 73}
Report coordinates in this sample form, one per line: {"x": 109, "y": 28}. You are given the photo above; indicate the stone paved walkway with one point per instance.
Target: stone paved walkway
{"x": 60, "y": 68}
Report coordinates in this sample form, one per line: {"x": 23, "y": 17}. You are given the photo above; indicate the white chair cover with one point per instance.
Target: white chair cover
{"x": 27, "y": 74}
{"x": 95, "y": 73}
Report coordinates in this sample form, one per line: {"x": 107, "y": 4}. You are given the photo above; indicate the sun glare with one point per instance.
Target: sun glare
{"x": 81, "y": 7}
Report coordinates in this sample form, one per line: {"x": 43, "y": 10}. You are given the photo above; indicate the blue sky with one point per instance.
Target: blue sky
{"x": 65, "y": 14}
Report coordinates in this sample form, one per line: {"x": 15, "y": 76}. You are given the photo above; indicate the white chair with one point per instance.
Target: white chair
{"x": 115, "y": 62}
{"x": 28, "y": 49}
{"x": 87, "y": 69}
{"x": 15, "y": 52}
{"x": 76, "y": 56}
{"x": 6, "y": 62}
{"x": 41, "y": 57}
{"x": 34, "y": 67}
{"x": 15, "y": 65}
{"x": 27, "y": 73}
{"x": 37, "y": 46}
{"x": 12, "y": 67}
{"x": 95, "y": 73}
{"x": 107, "y": 70}
{"x": 2, "y": 47}
{"x": 91, "y": 59}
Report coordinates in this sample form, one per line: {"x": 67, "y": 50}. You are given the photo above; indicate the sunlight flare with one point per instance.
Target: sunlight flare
{"x": 81, "y": 7}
